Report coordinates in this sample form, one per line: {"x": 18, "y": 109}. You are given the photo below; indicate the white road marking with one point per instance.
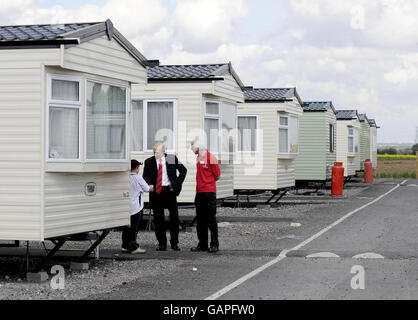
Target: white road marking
{"x": 403, "y": 182}
{"x": 291, "y": 236}
{"x": 323, "y": 255}
{"x": 412, "y": 185}
{"x": 368, "y": 255}
{"x": 282, "y": 255}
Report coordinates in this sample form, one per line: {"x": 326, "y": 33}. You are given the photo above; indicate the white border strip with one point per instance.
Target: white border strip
{"x": 282, "y": 255}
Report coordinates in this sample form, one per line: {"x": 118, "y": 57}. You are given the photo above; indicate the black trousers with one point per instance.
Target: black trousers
{"x": 206, "y": 219}
{"x": 165, "y": 200}
{"x": 129, "y": 233}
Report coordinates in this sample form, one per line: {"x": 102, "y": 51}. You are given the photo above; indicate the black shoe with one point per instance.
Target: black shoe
{"x": 175, "y": 248}
{"x": 213, "y": 249}
{"x": 198, "y": 249}
{"x": 161, "y": 248}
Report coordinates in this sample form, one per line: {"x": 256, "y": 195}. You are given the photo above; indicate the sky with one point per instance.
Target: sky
{"x": 360, "y": 54}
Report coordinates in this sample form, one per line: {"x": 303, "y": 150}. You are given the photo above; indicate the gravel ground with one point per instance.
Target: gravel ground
{"x": 266, "y": 227}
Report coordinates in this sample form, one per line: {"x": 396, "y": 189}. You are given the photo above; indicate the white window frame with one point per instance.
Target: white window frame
{"x": 62, "y": 104}
{"x": 355, "y": 141}
{"x": 278, "y": 133}
{"x": 127, "y": 124}
{"x": 235, "y": 133}
{"x": 257, "y": 117}
{"x": 214, "y": 117}
{"x": 287, "y": 127}
{"x": 145, "y": 125}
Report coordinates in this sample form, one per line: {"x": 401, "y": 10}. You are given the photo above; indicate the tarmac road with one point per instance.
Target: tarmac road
{"x": 383, "y": 220}
{"x": 386, "y": 230}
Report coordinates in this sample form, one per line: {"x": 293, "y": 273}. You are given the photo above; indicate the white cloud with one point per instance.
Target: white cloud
{"x": 312, "y": 45}
{"x": 203, "y": 25}
{"x": 130, "y": 16}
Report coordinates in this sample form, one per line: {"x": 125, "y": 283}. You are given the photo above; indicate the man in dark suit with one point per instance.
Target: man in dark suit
{"x": 161, "y": 171}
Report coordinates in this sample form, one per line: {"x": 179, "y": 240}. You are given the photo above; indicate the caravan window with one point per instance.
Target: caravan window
{"x": 106, "y": 119}
{"x": 63, "y": 118}
{"x": 220, "y": 124}
{"x": 212, "y": 125}
{"x": 153, "y": 121}
{"x": 247, "y": 133}
{"x": 288, "y": 134}
{"x": 353, "y": 140}
{"x": 331, "y": 138}
{"x": 229, "y": 125}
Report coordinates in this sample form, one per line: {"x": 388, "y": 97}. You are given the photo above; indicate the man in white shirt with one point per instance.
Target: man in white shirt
{"x": 161, "y": 171}
{"x": 138, "y": 187}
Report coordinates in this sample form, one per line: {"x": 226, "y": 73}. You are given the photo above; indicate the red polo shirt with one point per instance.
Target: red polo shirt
{"x": 207, "y": 170}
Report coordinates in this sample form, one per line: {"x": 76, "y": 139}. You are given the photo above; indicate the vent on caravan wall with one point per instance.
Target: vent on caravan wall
{"x": 90, "y": 189}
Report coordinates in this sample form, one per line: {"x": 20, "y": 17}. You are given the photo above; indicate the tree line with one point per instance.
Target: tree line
{"x": 405, "y": 151}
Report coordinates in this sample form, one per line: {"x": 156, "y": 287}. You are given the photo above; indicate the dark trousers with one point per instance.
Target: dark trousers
{"x": 129, "y": 233}
{"x": 165, "y": 200}
{"x": 206, "y": 219}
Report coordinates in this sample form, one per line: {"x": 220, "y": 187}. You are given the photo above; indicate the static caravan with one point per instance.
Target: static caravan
{"x": 182, "y": 102}
{"x": 317, "y": 132}
{"x": 364, "y": 140}
{"x": 373, "y": 142}
{"x": 64, "y": 110}
{"x": 268, "y": 139}
{"x": 348, "y": 150}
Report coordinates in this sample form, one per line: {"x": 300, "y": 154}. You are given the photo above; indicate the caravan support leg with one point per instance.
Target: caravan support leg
{"x": 52, "y": 252}
{"x": 281, "y": 196}
{"x": 95, "y": 244}
{"x": 275, "y": 193}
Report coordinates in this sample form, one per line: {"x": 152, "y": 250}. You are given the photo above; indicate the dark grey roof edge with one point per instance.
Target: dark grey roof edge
{"x": 93, "y": 31}
{"x": 363, "y": 115}
{"x": 27, "y": 44}
{"x": 235, "y": 76}
{"x": 215, "y": 75}
{"x": 107, "y": 28}
{"x": 174, "y": 80}
{"x": 298, "y": 97}
{"x": 290, "y": 92}
{"x": 328, "y": 102}
{"x": 130, "y": 47}
{"x": 344, "y": 118}
{"x": 47, "y": 24}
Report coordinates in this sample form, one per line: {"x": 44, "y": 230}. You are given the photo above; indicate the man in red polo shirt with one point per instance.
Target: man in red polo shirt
{"x": 208, "y": 172}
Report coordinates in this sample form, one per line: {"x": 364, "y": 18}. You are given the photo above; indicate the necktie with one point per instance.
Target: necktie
{"x": 159, "y": 187}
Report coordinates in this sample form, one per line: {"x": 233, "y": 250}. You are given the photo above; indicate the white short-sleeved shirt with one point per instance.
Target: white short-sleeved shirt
{"x": 138, "y": 187}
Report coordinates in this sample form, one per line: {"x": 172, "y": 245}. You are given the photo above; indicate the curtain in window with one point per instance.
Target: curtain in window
{"x": 229, "y": 116}
{"x": 137, "y": 125}
{"x": 63, "y": 133}
{"x": 350, "y": 144}
{"x": 331, "y": 138}
{"x": 283, "y": 121}
{"x": 160, "y": 124}
{"x": 101, "y": 139}
{"x": 212, "y": 134}
{"x": 64, "y": 90}
{"x": 283, "y": 140}
{"x": 247, "y": 133}
{"x": 293, "y": 135}
{"x": 106, "y": 108}
{"x": 117, "y": 137}
{"x": 212, "y": 108}
{"x": 356, "y": 140}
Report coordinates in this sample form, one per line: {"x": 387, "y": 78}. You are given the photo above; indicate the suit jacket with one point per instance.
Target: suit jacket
{"x": 150, "y": 174}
